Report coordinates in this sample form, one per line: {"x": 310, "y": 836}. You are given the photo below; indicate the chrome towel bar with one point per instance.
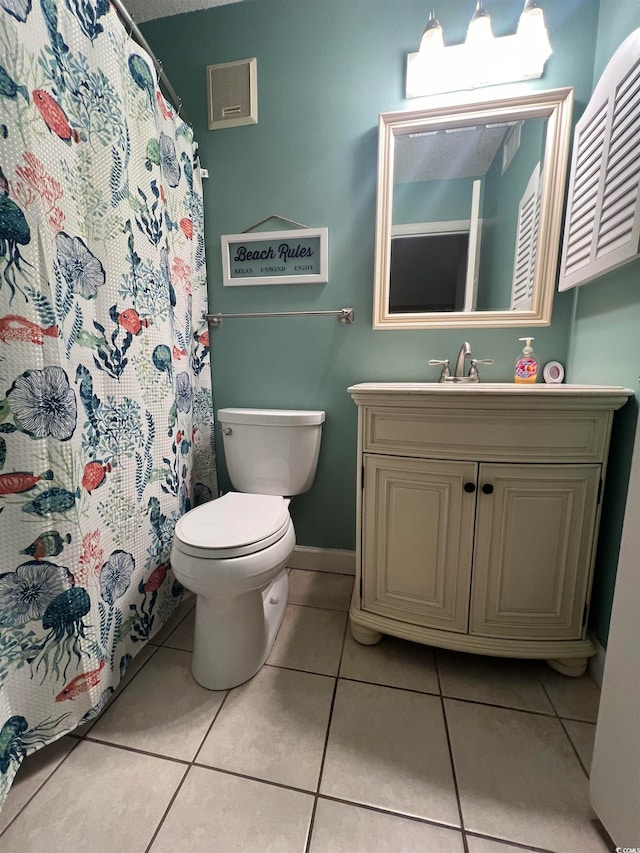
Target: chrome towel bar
{"x": 345, "y": 316}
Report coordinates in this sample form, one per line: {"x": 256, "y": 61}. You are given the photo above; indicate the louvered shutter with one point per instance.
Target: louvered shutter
{"x": 526, "y": 244}
{"x": 602, "y": 226}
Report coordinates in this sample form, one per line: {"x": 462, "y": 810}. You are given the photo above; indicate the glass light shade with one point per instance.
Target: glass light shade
{"x": 479, "y": 33}
{"x": 432, "y": 35}
{"x": 532, "y": 31}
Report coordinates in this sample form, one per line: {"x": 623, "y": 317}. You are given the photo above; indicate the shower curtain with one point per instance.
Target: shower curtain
{"x": 105, "y": 397}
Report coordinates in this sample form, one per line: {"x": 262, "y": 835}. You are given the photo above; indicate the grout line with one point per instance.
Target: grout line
{"x": 167, "y": 810}
{"x": 391, "y": 813}
{"x": 573, "y": 747}
{"x": 344, "y": 610}
{"x": 451, "y": 761}
{"x": 126, "y": 748}
{"x": 215, "y": 717}
{"x": 192, "y": 763}
{"x": 506, "y": 841}
{"x": 326, "y": 739}
{"x": 564, "y": 729}
{"x": 251, "y": 778}
{"x": 297, "y": 669}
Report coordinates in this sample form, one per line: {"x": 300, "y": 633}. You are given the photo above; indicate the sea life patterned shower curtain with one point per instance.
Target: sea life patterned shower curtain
{"x": 105, "y": 396}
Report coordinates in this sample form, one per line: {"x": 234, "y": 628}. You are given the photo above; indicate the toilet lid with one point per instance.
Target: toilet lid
{"x": 236, "y": 522}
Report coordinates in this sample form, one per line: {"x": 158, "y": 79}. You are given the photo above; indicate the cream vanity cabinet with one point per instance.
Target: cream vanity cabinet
{"x": 478, "y": 508}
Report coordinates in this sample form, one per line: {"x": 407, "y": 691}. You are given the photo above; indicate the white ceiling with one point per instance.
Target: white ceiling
{"x": 446, "y": 154}
{"x": 147, "y": 10}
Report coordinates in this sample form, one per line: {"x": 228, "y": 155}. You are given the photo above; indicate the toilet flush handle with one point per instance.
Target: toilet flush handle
{"x": 227, "y": 431}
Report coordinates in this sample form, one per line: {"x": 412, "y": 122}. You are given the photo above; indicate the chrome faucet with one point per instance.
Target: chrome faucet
{"x": 465, "y": 353}
{"x": 459, "y": 373}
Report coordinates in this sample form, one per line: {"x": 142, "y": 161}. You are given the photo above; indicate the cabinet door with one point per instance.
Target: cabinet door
{"x": 418, "y": 540}
{"x": 534, "y": 538}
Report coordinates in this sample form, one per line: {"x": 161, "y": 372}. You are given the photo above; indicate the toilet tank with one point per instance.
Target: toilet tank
{"x": 271, "y": 451}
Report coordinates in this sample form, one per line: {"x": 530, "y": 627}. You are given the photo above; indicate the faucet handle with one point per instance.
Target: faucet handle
{"x": 473, "y": 370}
{"x": 445, "y": 373}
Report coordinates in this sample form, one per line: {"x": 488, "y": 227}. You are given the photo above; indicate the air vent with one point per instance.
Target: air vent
{"x": 232, "y": 95}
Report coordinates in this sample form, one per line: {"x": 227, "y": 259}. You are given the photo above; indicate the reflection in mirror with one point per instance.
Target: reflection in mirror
{"x": 469, "y": 207}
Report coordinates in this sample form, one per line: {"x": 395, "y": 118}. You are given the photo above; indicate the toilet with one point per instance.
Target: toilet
{"x": 232, "y": 551}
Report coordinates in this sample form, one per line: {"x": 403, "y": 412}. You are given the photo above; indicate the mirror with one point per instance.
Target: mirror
{"x": 469, "y": 212}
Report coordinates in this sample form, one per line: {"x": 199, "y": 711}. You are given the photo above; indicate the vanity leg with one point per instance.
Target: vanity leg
{"x": 574, "y": 667}
{"x": 364, "y": 636}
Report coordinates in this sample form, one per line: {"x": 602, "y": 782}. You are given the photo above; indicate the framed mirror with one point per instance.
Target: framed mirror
{"x": 469, "y": 212}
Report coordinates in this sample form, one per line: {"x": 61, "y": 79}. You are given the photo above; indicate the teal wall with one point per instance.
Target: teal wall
{"x": 432, "y": 201}
{"x": 604, "y": 347}
{"x": 326, "y": 68}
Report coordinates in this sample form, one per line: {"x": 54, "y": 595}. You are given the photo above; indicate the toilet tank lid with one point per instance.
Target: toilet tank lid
{"x": 270, "y": 417}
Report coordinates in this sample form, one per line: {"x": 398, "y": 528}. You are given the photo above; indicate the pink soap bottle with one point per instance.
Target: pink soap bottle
{"x": 526, "y": 370}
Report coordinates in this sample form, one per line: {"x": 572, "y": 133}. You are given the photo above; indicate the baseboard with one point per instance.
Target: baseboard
{"x": 596, "y": 663}
{"x": 323, "y": 560}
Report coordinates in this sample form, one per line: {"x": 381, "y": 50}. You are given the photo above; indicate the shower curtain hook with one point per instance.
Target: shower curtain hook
{"x": 132, "y": 24}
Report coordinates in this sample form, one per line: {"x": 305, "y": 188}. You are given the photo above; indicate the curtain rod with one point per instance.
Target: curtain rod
{"x": 134, "y": 32}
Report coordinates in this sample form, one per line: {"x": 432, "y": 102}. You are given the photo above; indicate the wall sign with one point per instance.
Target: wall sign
{"x": 275, "y": 257}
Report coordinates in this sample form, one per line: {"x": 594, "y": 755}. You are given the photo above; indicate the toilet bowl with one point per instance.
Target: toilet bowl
{"x": 232, "y": 551}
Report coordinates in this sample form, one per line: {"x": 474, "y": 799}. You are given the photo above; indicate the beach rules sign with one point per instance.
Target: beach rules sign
{"x": 300, "y": 256}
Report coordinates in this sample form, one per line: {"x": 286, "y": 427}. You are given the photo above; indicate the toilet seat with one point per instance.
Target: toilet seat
{"x": 234, "y": 525}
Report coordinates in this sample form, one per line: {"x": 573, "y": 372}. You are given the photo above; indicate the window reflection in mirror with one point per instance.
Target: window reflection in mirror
{"x": 465, "y": 197}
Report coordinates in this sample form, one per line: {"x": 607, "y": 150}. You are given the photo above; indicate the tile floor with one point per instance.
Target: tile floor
{"x": 331, "y": 747}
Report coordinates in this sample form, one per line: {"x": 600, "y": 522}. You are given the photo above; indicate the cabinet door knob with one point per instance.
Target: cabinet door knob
{"x": 470, "y": 487}
{"x": 487, "y": 489}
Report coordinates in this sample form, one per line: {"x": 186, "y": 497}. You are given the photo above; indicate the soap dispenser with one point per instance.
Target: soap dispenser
{"x": 526, "y": 370}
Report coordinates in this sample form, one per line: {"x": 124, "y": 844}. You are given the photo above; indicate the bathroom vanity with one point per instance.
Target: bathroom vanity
{"x": 477, "y": 515}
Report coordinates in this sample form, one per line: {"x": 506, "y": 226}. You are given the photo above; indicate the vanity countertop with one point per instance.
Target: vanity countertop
{"x": 509, "y": 393}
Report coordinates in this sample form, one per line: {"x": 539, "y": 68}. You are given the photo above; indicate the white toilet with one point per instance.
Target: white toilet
{"x": 231, "y": 552}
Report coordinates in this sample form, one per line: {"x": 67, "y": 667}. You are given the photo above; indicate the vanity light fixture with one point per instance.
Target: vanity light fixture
{"x": 482, "y": 59}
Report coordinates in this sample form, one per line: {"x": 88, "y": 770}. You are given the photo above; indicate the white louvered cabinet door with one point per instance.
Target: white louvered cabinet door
{"x": 602, "y": 226}
{"x": 526, "y": 244}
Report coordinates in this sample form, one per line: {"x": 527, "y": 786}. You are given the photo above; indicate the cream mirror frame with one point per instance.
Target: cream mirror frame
{"x": 556, "y": 107}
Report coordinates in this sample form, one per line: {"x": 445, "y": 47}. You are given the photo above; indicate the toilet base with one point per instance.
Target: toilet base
{"x": 233, "y": 636}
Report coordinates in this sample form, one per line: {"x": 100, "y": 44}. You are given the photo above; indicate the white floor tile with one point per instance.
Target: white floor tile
{"x": 273, "y": 727}
{"x": 101, "y": 799}
{"x": 497, "y": 681}
{"x": 309, "y": 639}
{"x": 387, "y": 748}
{"x": 163, "y": 710}
{"x": 34, "y": 772}
{"x": 219, "y": 813}
{"x": 393, "y": 662}
{"x": 576, "y": 698}
{"x": 320, "y": 589}
{"x": 519, "y": 779}
{"x": 182, "y": 636}
{"x": 582, "y": 736}
{"x": 342, "y": 828}
{"x": 484, "y": 845}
